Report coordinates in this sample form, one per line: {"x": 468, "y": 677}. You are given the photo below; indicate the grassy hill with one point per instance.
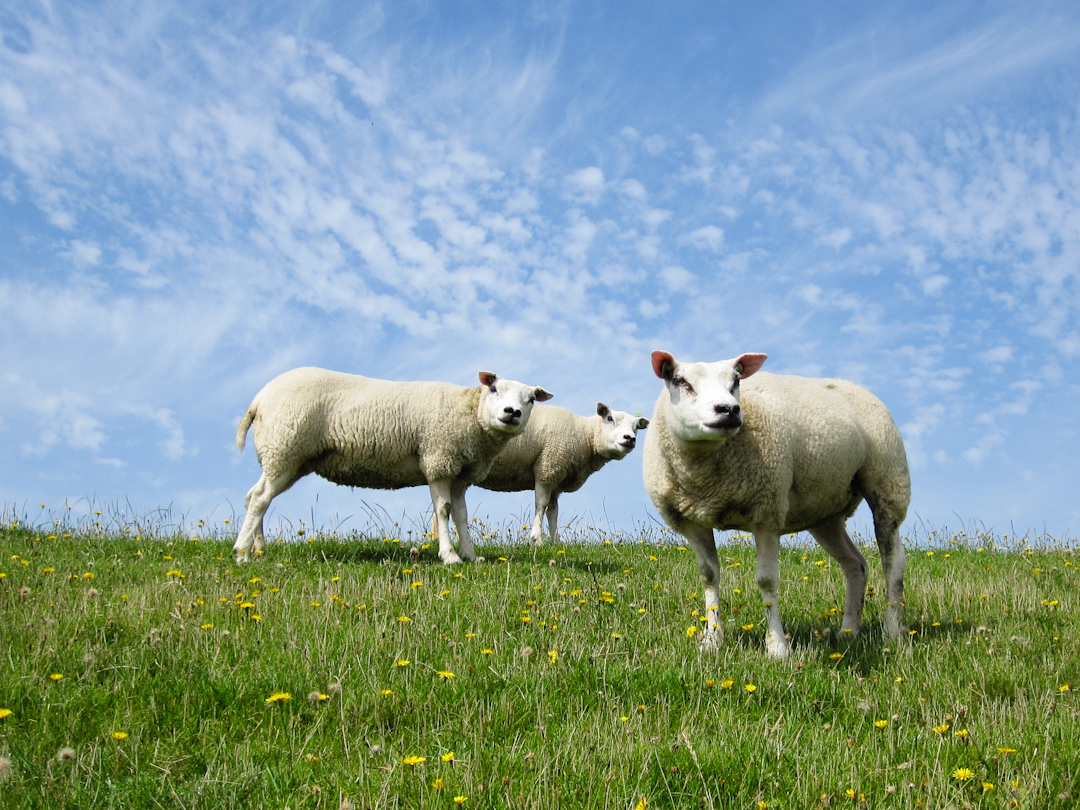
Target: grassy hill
{"x": 360, "y": 672}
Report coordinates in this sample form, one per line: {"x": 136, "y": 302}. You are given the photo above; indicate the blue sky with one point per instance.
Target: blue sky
{"x": 195, "y": 197}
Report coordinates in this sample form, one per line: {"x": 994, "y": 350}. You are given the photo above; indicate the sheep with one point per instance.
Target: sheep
{"x": 557, "y": 452}
{"x": 789, "y": 454}
{"x": 363, "y": 432}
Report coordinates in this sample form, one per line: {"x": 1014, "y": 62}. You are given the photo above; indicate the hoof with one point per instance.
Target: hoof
{"x": 450, "y": 559}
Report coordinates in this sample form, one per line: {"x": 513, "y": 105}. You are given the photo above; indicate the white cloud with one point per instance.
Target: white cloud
{"x": 708, "y": 237}
{"x": 586, "y": 185}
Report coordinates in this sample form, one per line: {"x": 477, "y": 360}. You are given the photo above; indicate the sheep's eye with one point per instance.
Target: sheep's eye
{"x": 532, "y": 400}
{"x": 681, "y": 382}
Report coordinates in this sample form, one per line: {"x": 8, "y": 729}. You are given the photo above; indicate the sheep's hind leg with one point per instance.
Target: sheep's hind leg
{"x": 704, "y": 544}
{"x": 257, "y": 502}
{"x": 768, "y": 582}
{"x": 833, "y": 537}
{"x": 441, "y": 500}
{"x": 893, "y": 559}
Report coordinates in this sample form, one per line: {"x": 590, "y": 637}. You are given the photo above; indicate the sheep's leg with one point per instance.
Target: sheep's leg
{"x": 257, "y": 502}
{"x": 553, "y": 517}
{"x": 833, "y": 537}
{"x": 893, "y": 558}
{"x": 768, "y": 581}
{"x": 542, "y": 499}
{"x": 460, "y": 513}
{"x": 704, "y": 544}
{"x": 440, "y": 500}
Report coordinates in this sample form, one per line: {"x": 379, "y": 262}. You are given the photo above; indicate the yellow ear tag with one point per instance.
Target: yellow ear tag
{"x": 738, "y": 368}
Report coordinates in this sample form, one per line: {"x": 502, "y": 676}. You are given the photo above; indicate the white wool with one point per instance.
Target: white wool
{"x": 729, "y": 448}
{"x": 557, "y": 452}
{"x": 364, "y": 432}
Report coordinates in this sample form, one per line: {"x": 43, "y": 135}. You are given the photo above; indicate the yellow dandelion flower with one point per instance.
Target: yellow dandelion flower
{"x": 56, "y": 677}
{"x": 963, "y": 774}
{"x": 709, "y": 683}
{"x": 172, "y": 573}
{"x": 642, "y": 805}
{"x": 748, "y": 627}
{"x": 448, "y": 757}
{"x": 413, "y": 760}
{"x": 727, "y": 683}
{"x": 316, "y": 604}
{"x": 836, "y": 656}
{"x": 750, "y": 687}
{"x": 987, "y": 787}
{"x": 881, "y": 724}
{"x": 401, "y": 662}
{"x": 279, "y": 697}
{"x": 460, "y": 800}
{"x": 553, "y": 655}
{"x": 119, "y": 735}
{"x": 247, "y": 605}
{"x": 386, "y": 692}
{"x": 417, "y": 585}
{"x": 445, "y": 675}
{"x": 1064, "y": 688}
{"x": 438, "y": 784}
{"x": 486, "y": 651}
{"x": 963, "y": 733}
{"x": 5, "y": 714}
{"x": 404, "y": 619}
{"x": 691, "y": 631}
{"x": 1006, "y": 750}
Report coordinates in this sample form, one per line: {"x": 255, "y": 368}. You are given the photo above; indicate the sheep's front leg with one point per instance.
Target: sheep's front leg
{"x": 441, "y": 501}
{"x": 834, "y": 538}
{"x": 542, "y": 499}
{"x": 460, "y": 513}
{"x": 768, "y": 582}
{"x": 704, "y": 544}
{"x": 553, "y": 517}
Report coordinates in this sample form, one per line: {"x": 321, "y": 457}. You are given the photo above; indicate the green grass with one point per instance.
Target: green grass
{"x": 575, "y": 683}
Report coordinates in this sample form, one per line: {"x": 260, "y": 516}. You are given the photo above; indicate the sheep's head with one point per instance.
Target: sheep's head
{"x": 704, "y": 396}
{"x": 508, "y": 403}
{"x": 618, "y": 431}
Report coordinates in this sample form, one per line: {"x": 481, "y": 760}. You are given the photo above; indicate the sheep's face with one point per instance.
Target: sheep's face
{"x": 704, "y": 397}
{"x": 508, "y": 403}
{"x": 618, "y": 431}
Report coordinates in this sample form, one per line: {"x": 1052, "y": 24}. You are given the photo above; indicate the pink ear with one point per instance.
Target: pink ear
{"x": 750, "y": 363}
{"x": 488, "y": 378}
{"x": 542, "y": 395}
{"x": 663, "y": 365}
{"x": 602, "y": 409}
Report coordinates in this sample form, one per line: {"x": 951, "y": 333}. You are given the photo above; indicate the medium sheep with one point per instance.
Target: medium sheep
{"x": 790, "y": 454}
{"x": 363, "y": 432}
{"x": 557, "y": 452}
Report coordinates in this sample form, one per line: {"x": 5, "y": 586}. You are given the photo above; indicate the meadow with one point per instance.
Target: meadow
{"x": 141, "y": 668}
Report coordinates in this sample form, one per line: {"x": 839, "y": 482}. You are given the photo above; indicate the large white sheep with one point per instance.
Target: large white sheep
{"x": 789, "y": 454}
{"x": 557, "y": 452}
{"x": 363, "y": 432}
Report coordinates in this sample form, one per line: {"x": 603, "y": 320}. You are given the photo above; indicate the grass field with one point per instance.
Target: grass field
{"x": 141, "y": 672}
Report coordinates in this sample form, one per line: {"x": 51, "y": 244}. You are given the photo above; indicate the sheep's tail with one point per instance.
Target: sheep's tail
{"x": 242, "y": 428}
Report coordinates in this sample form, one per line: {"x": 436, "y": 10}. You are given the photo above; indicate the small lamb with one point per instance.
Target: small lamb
{"x": 363, "y": 432}
{"x": 789, "y": 454}
{"x": 557, "y": 452}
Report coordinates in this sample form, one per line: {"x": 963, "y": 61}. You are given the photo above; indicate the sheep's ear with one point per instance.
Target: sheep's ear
{"x": 642, "y": 423}
{"x": 488, "y": 378}
{"x": 602, "y": 409}
{"x": 663, "y": 365}
{"x": 542, "y": 395}
{"x": 747, "y": 364}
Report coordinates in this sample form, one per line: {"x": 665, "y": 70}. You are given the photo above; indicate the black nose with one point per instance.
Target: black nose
{"x": 511, "y": 411}
{"x": 629, "y": 439}
{"x": 727, "y": 410}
